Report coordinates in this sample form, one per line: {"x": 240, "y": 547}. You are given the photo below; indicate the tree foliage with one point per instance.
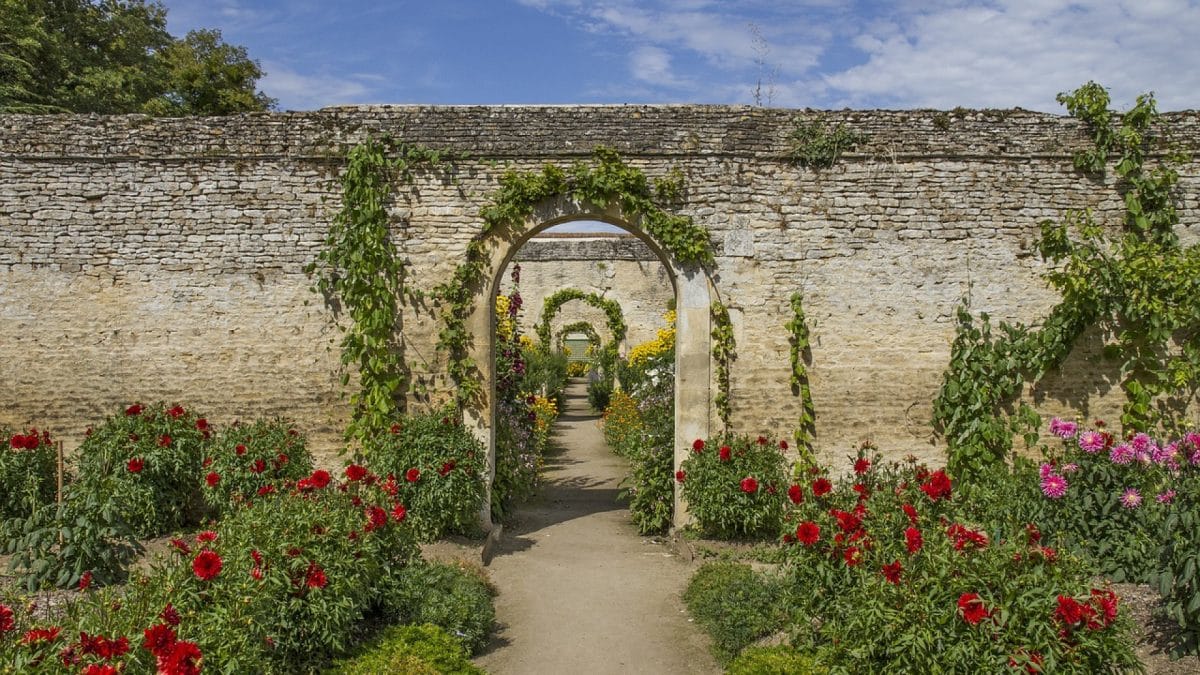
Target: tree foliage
{"x": 116, "y": 56}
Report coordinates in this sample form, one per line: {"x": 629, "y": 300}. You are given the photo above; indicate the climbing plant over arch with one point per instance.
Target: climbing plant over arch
{"x": 604, "y": 181}
{"x": 611, "y": 309}
{"x": 578, "y": 327}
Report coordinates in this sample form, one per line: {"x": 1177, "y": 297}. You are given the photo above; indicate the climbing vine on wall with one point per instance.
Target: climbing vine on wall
{"x": 815, "y": 146}
{"x": 1136, "y": 283}
{"x": 806, "y": 426}
{"x": 611, "y": 309}
{"x": 579, "y": 327}
{"x": 360, "y": 274}
{"x": 605, "y": 181}
{"x": 723, "y": 354}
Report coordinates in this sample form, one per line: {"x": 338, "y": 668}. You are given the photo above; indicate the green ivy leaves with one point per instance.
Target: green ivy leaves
{"x": 723, "y": 353}
{"x": 801, "y": 355}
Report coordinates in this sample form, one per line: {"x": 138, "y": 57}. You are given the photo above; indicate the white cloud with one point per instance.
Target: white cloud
{"x": 1022, "y": 52}
{"x": 307, "y": 91}
{"x": 653, "y": 65}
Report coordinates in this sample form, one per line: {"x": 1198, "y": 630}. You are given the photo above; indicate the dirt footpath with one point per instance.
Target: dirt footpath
{"x": 580, "y": 590}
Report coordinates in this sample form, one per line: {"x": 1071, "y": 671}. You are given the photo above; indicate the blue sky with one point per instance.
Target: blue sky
{"x": 826, "y": 54}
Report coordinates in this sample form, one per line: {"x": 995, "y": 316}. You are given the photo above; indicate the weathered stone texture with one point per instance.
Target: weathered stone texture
{"x": 145, "y": 259}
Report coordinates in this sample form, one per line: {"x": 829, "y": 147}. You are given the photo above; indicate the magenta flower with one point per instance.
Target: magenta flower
{"x": 1131, "y": 498}
{"x": 1142, "y": 443}
{"x": 1165, "y": 497}
{"x": 1054, "y": 486}
{"x": 1045, "y": 470}
{"x": 1091, "y": 442}
{"x": 1070, "y": 468}
{"x": 1063, "y": 428}
{"x": 1122, "y": 454}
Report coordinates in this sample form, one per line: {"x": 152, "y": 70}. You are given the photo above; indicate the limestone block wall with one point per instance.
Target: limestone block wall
{"x": 146, "y": 259}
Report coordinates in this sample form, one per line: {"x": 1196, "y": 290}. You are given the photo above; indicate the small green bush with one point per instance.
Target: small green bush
{"x": 411, "y": 650}
{"x": 438, "y": 466}
{"x": 147, "y": 461}
{"x": 246, "y": 458}
{"x": 734, "y": 487}
{"x": 599, "y": 392}
{"x": 735, "y": 605}
{"x": 650, "y": 485}
{"x": 28, "y": 472}
{"x": 455, "y": 597}
{"x": 1178, "y": 577}
{"x": 545, "y": 372}
{"x": 777, "y": 660}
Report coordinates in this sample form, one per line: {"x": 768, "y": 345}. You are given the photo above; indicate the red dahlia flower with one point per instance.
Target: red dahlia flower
{"x": 38, "y": 635}
{"x": 135, "y": 465}
{"x": 892, "y": 572}
{"x": 412, "y": 475}
{"x": 762, "y": 440}
{"x": 821, "y": 487}
{"x": 135, "y": 409}
{"x": 239, "y": 450}
{"x": 212, "y": 479}
{"x": 783, "y": 445}
{"x": 862, "y": 465}
{"x": 164, "y": 441}
{"x": 170, "y": 615}
{"x": 680, "y": 476}
{"x": 320, "y": 479}
{"x": 447, "y": 467}
{"x": 206, "y": 565}
{"x": 852, "y": 555}
{"x": 176, "y": 412}
{"x": 971, "y": 607}
{"x": 85, "y": 581}
{"x": 354, "y": 472}
{"x": 206, "y": 537}
{"x": 7, "y": 623}
{"x": 182, "y": 659}
{"x": 314, "y": 577}
{"x": 698, "y": 445}
{"x": 399, "y": 513}
{"x": 808, "y": 533}
{"x": 724, "y": 453}
{"x": 796, "y": 494}
{"x": 913, "y": 540}
{"x": 749, "y": 485}
{"x": 101, "y": 669}
{"x": 158, "y": 639}
{"x": 376, "y": 518}
{"x": 910, "y": 512}
{"x": 258, "y": 466}
{"x": 938, "y": 486}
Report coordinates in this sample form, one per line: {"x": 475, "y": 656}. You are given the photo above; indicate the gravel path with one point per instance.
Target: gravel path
{"x": 580, "y": 590}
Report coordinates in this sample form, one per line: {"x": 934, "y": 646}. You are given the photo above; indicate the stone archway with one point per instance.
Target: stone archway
{"x": 693, "y": 293}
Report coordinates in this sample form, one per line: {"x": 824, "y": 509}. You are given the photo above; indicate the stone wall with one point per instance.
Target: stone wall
{"x": 145, "y": 259}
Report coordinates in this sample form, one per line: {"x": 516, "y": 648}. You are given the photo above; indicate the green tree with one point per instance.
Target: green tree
{"x": 116, "y": 56}
{"x": 209, "y": 77}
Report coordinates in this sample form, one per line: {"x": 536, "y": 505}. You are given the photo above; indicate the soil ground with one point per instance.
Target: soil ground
{"x": 579, "y": 590}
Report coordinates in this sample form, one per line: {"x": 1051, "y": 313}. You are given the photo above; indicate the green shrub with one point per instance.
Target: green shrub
{"x": 58, "y": 543}
{"x": 1178, "y": 577}
{"x": 439, "y": 468}
{"x": 279, "y": 586}
{"x": 888, "y": 575}
{"x": 650, "y": 485}
{"x": 28, "y": 472}
{"x": 734, "y": 487}
{"x": 735, "y": 605}
{"x": 455, "y": 597}
{"x": 147, "y": 461}
{"x": 777, "y": 660}
{"x": 599, "y": 393}
{"x": 411, "y": 650}
{"x": 545, "y": 372}
{"x": 247, "y": 458}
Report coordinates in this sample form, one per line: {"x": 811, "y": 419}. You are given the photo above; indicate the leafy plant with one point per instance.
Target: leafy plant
{"x": 414, "y": 650}
{"x": 454, "y": 597}
{"x": 1178, "y": 576}
{"x": 28, "y": 472}
{"x": 777, "y": 660}
{"x": 59, "y": 543}
{"x": 246, "y": 459}
{"x": 438, "y": 466}
{"x": 814, "y": 145}
{"x": 359, "y": 270}
{"x": 146, "y": 463}
{"x": 1140, "y": 287}
{"x": 723, "y": 354}
{"x": 733, "y": 486}
{"x": 735, "y": 605}
{"x": 801, "y": 356}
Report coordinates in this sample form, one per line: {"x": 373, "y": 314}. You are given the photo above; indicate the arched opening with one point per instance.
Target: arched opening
{"x": 692, "y": 291}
